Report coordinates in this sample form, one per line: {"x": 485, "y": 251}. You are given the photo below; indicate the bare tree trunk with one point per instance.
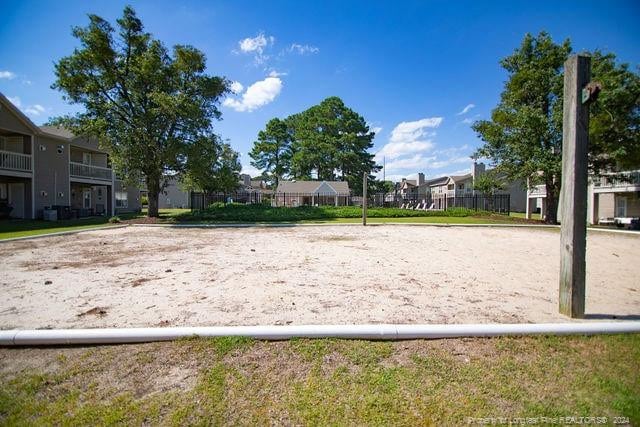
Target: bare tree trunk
{"x": 551, "y": 208}
{"x": 153, "y": 189}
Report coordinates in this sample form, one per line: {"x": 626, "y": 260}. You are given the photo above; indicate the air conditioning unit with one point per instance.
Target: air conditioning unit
{"x": 50, "y": 215}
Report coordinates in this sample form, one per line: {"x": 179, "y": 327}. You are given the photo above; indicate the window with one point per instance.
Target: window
{"x": 621, "y": 207}
{"x": 460, "y": 186}
{"x": 451, "y": 187}
{"x": 86, "y": 198}
{"x": 86, "y": 158}
{"x": 121, "y": 199}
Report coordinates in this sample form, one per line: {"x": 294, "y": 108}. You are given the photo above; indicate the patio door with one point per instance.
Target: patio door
{"x": 621, "y": 207}
{"x": 86, "y": 198}
{"x": 16, "y": 199}
{"x": 86, "y": 158}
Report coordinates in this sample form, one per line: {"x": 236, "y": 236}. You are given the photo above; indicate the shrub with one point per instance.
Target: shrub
{"x": 265, "y": 213}
{"x": 114, "y": 219}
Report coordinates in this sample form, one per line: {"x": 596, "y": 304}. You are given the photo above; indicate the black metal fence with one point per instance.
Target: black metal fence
{"x": 499, "y": 203}
{"x": 201, "y": 201}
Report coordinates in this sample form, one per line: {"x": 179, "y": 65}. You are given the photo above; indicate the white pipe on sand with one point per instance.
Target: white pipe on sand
{"x": 378, "y": 331}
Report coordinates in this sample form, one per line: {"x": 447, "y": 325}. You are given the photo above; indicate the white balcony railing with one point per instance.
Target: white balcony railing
{"x": 80, "y": 170}
{"x": 15, "y": 161}
{"x": 623, "y": 179}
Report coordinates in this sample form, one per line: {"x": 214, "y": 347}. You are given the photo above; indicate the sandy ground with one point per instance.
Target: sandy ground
{"x": 146, "y": 276}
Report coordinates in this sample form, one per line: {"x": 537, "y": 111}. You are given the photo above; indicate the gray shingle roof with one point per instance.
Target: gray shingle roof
{"x": 57, "y": 131}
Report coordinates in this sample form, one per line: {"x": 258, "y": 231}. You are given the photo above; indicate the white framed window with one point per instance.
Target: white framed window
{"x": 122, "y": 199}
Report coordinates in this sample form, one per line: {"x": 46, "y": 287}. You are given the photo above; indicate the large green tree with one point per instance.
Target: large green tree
{"x": 145, "y": 104}
{"x": 524, "y": 134}
{"x": 271, "y": 153}
{"x": 331, "y": 141}
{"x": 212, "y": 166}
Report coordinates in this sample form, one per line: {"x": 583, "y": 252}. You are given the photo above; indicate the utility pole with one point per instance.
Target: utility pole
{"x": 364, "y": 198}
{"x": 578, "y": 94}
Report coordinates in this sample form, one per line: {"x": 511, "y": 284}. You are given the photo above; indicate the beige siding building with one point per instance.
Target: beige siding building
{"x": 49, "y": 168}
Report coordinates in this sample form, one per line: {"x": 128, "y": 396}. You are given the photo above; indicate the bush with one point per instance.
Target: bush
{"x": 144, "y": 201}
{"x": 265, "y": 213}
{"x": 114, "y": 220}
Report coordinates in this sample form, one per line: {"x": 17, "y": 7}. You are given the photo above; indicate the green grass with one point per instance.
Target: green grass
{"x": 26, "y": 227}
{"x": 522, "y": 215}
{"x": 23, "y": 228}
{"x": 322, "y": 382}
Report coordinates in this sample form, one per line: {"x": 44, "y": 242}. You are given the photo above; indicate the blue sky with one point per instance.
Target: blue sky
{"x": 419, "y": 72}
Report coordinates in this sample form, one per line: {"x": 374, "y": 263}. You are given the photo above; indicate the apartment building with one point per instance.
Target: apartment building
{"x": 48, "y": 167}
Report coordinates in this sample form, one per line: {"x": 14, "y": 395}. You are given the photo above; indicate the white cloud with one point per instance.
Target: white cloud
{"x": 394, "y": 150}
{"x": 257, "y": 95}
{"x": 415, "y": 162}
{"x": 410, "y": 131}
{"x": 236, "y": 87}
{"x": 448, "y": 162}
{"x": 250, "y": 170}
{"x": 35, "y": 109}
{"x": 466, "y": 109}
{"x": 15, "y": 100}
{"x": 410, "y": 138}
{"x": 256, "y": 46}
{"x": 274, "y": 73}
{"x": 303, "y": 49}
{"x": 412, "y": 149}
{"x": 7, "y": 75}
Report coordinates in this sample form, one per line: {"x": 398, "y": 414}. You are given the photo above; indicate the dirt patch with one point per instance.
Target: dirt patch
{"x": 140, "y": 281}
{"x": 95, "y": 311}
{"x": 150, "y": 276}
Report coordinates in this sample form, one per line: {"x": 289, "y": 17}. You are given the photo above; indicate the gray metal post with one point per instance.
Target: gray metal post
{"x": 364, "y": 198}
{"x": 575, "y": 140}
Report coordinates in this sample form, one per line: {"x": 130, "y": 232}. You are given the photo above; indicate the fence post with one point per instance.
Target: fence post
{"x": 364, "y": 198}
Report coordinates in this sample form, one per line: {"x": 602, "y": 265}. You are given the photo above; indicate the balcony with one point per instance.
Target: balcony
{"x": 19, "y": 162}
{"x": 81, "y": 170}
{"x": 624, "y": 181}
